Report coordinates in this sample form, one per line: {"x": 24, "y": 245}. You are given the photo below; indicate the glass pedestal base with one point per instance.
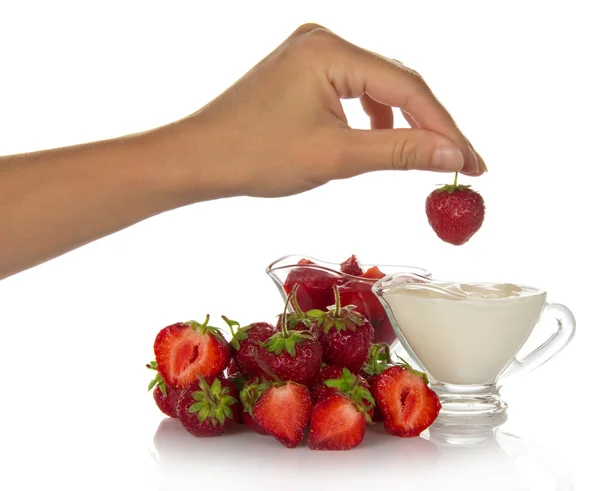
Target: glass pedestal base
{"x": 479, "y": 402}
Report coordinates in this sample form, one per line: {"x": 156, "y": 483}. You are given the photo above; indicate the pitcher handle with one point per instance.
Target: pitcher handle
{"x": 549, "y": 348}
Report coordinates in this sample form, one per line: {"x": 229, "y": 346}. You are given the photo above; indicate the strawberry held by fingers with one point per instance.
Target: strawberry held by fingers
{"x": 187, "y": 349}
{"x": 455, "y": 212}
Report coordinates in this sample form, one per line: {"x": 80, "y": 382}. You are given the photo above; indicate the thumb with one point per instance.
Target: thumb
{"x": 398, "y": 149}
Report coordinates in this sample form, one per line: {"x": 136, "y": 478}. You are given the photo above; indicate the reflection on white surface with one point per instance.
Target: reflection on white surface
{"x": 445, "y": 457}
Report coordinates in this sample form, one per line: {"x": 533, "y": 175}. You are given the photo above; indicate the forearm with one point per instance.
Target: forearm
{"x": 54, "y": 201}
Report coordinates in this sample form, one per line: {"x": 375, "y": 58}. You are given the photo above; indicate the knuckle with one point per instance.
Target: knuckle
{"x": 404, "y": 155}
{"x": 306, "y": 28}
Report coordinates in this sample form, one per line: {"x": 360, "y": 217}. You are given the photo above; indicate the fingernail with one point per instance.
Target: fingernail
{"x": 447, "y": 158}
{"x": 476, "y": 161}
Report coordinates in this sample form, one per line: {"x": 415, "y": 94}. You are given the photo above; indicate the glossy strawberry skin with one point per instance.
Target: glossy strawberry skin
{"x": 455, "y": 216}
{"x": 253, "y": 425}
{"x": 284, "y": 412}
{"x": 315, "y": 286}
{"x": 320, "y": 391}
{"x": 302, "y": 368}
{"x": 336, "y": 424}
{"x": 250, "y": 348}
{"x": 408, "y": 404}
{"x": 167, "y": 403}
{"x": 191, "y": 422}
{"x": 351, "y": 266}
{"x": 346, "y": 348}
{"x": 182, "y": 354}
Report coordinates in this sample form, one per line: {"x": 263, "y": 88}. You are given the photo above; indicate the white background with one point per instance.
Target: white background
{"x": 520, "y": 78}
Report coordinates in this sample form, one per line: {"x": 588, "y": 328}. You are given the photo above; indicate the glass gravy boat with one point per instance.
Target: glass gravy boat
{"x": 315, "y": 288}
{"x": 466, "y": 336}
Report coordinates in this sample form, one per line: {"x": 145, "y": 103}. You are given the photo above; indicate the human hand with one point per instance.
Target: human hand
{"x": 281, "y": 128}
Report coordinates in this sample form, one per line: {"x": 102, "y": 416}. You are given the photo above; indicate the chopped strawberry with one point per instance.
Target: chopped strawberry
{"x": 165, "y": 396}
{"x": 373, "y": 273}
{"x": 185, "y": 350}
{"x": 314, "y": 285}
{"x": 408, "y": 404}
{"x": 336, "y": 424}
{"x": 249, "y": 395}
{"x": 344, "y": 334}
{"x": 283, "y": 411}
{"x": 207, "y": 410}
{"x": 351, "y": 266}
{"x": 246, "y": 343}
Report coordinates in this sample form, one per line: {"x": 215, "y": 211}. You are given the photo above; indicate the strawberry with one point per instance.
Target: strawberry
{"x": 344, "y": 334}
{"x": 291, "y": 354}
{"x": 338, "y": 380}
{"x": 283, "y": 411}
{"x": 351, "y": 266}
{"x": 379, "y": 360}
{"x": 185, "y": 350}
{"x": 336, "y": 423}
{"x": 246, "y": 342}
{"x": 373, "y": 273}
{"x": 207, "y": 410}
{"x": 249, "y": 395}
{"x": 408, "y": 404}
{"x": 164, "y": 395}
{"x": 233, "y": 385}
{"x": 314, "y": 283}
{"x": 455, "y": 212}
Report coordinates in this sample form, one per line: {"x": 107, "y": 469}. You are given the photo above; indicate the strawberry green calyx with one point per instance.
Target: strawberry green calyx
{"x": 204, "y": 328}
{"x": 158, "y": 380}
{"x": 298, "y": 315}
{"x": 341, "y": 318}
{"x": 251, "y": 393}
{"x": 349, "y": 385}
{"x": 285, "y": 339}
{"x": 240, "y": 334}
{"x": 379, "y": 359}
{"x": 450, "y": 188}
{"x": 212, "y": 402}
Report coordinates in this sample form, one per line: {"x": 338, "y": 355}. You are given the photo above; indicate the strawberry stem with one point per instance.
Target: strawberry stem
{"x": 455, "y": 179}
{"x": 284, "y": 316}
{"x": 338, "y": 302}
{"x": 230, "y": 323}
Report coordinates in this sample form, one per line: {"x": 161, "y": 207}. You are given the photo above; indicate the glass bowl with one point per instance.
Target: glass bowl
{"x": 316, "y": 278}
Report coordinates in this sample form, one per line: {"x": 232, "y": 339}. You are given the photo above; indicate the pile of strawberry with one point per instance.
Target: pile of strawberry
{"x": 315, "y": 372}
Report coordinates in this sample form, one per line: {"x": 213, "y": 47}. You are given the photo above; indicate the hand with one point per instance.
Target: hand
{"x": 281, "y": 129}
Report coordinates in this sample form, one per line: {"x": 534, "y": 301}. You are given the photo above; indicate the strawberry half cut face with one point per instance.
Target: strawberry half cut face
{"x": 185, "y": 350}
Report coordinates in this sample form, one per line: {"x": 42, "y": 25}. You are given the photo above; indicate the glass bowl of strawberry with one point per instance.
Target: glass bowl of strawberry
{"x": 316, "y": 278}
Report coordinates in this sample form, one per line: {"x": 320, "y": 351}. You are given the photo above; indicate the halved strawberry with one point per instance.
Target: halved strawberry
{"x": 249, "y": 395}
{"x": 185, "y": 350}
{"x": 283, "y": 411}
{"x": 408, "y": 404}
{"x": 336, "y": 424}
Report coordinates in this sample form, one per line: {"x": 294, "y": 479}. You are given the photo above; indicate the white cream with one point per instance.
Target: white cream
{"x": 465, "y": 333}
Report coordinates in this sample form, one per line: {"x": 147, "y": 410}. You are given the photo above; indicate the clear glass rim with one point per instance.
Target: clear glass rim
{"x": 327, "y": 266}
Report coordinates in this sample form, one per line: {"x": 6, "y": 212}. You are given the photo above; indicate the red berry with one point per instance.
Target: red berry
{"x": 314, "y": 285}
{"x": 455, "y": 212}
{"x": 185, "y": 350}
{"x": 408, "y": 404}
{"x": 336, "y": 424}
{"x": 165, "y": 396}
{"x": 344, "y": 334}
{"x": 206, "y": 410}
{"x": 246, "y": 343}
{"x": 283, "y": 411}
